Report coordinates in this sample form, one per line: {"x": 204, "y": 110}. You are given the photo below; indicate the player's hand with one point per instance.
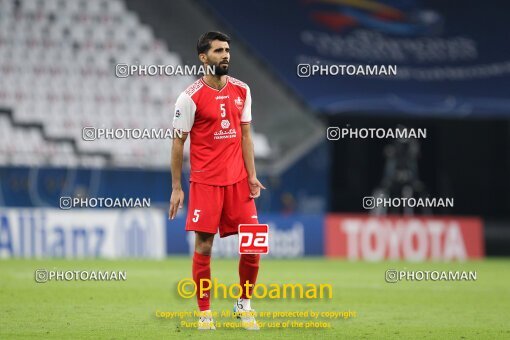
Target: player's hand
{"x": 176, "y": 202}
{"x": 255, "y": 187}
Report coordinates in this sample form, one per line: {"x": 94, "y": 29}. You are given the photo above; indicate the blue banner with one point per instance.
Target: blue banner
{"x": 451, "y": 59}
{"x": 82, "y": 233}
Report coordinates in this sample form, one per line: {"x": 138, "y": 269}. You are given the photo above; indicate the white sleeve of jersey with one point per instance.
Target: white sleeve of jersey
{"x": 246, "y": 114}
{"x": 184, "y": 114}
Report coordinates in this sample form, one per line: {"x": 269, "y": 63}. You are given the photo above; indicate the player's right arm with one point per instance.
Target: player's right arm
{"x": 184, "y": 117}
{"x": 177, "y": 198}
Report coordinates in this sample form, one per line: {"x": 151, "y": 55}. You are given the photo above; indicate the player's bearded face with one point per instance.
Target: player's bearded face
{"x": 219, "y": 57}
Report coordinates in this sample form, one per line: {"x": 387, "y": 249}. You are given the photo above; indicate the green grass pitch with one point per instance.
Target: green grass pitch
{"x": 120, "y": 310}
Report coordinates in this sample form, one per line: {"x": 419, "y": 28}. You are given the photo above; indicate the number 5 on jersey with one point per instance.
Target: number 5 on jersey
{"x": 196, "y": 215}
{"x": 223, "y": 112}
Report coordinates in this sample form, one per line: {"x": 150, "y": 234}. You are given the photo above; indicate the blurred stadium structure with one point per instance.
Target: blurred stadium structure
{"x": 57, "y": 76}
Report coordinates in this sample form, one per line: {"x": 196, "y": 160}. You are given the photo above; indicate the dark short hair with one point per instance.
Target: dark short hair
{"x": 204, "y": 42}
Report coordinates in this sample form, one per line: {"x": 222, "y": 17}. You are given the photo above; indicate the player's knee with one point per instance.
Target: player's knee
{"x": 204, "y": 248}
{"x": 203, "y": 243}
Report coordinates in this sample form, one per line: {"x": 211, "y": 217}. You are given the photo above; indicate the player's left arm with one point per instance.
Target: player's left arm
{"x": 247, "y": 145}
{"x": 249, "y": 161}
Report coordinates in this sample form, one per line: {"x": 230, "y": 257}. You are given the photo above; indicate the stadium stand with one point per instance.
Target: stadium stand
{"x": 57, "y": 60}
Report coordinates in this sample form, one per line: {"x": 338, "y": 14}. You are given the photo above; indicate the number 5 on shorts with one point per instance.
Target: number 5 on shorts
{"x": 196, "y": 214}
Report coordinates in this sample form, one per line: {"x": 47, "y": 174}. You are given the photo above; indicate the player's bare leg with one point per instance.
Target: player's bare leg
{"x": 248, "y": 271}
{"x": 202, "y": 270}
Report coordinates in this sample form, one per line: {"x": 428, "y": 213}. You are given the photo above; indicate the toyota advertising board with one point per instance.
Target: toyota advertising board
{"x": 369, "y": 238}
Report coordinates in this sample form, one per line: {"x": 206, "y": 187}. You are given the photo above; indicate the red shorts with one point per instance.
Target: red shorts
{"x": 224, "y": 207}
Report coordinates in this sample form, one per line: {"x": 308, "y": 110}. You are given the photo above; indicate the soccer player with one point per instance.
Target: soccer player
{"x": 215, "y": 111}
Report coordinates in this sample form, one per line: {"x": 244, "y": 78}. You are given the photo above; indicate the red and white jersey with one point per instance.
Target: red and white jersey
{"x": 213, "y": 119}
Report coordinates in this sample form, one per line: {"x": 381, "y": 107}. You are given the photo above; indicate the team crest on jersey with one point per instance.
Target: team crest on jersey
{"x": 177, "y": 113}
{"x": 239, "y": 103}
